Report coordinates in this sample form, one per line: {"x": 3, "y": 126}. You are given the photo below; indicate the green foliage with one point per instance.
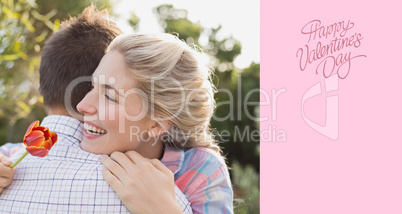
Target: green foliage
{"x": 246, "y": 188}
{"x": 19, "y": 47}
{"x": 133, "y": 21}
{"x": 175, "y": 21}
{"x": 24, "y": 27}
{"x": 65, "y": 9}
{"x": 224, "y": 50}
{"x": 239, "y": 120}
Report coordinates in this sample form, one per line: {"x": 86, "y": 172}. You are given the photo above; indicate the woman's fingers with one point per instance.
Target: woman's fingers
{"x": 112, "y": 166}
{"x": 161, "y": 167}
{"x": 135, "y": 157}
{"x": 113, "y": 173}
{"x": 125, "y": 162}
{"x": 130, "y": 169}
{"x": 145, "y": 162}
{"x": 142, "y": 165}
{"x": 122, "y": 168}
{"x": 112, "y": 180}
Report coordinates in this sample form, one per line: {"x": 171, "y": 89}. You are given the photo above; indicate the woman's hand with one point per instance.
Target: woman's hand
{"x": 143, "y": 185}
{"x": 6, "y": 173}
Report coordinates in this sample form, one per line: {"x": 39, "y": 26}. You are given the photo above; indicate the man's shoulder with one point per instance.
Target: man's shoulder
{"x": 62, "y": 123}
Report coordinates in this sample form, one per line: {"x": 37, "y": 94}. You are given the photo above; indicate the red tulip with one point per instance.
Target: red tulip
{"x": 39, "y": 140}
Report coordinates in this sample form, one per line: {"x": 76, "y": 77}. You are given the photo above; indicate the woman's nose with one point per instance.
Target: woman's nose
{"x": 87, "y": 105}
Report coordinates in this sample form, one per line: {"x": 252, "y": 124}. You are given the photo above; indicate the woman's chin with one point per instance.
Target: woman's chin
{"x": 93, "y": 148}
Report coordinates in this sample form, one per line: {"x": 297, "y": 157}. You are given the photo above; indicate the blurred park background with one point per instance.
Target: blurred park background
{"x": 25, "y": 25}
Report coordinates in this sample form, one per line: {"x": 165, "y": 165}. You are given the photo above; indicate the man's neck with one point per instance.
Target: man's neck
{"x": 58, "y": 111}
{"x": 63, "y": 112}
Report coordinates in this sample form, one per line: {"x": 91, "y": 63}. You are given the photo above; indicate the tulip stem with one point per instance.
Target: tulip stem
{"x": 19, "y": 160}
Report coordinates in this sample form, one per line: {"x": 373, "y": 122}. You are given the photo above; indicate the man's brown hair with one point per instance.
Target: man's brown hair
{"x": 73, "y": 52}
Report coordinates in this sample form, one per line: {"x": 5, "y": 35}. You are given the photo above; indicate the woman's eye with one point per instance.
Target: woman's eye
{"x": 110, "y": 98}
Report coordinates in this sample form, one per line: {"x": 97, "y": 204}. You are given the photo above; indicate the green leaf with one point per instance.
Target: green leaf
{"x": 50, "y": 14}
{"x": 9, "y": 13}
{"x": 25, "y": 108}
{"x": 38, "y": 16}
{"x": 22, "y": 55}
{"x": 49, "y": 24}
{"x": 10, "y": 57}
{"x": 56, "y": 25}
{"x": 26, "y": 22}
{"x": 41, "y": 37}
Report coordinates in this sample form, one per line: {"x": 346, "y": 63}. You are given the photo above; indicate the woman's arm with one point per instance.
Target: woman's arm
{"x": 143, "y": 185}
{"x": 213, "y": 194}
{"x": 205, "y": 179}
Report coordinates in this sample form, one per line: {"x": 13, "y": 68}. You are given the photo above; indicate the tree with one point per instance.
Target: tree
{"x": 25, "y": 26}
{"x": 20, "y": 45}
{"x": 175, "y": 21}
{"x": 133, "y": 21}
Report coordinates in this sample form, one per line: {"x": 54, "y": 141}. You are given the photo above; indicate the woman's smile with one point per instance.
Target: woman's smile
{"x": 92, "y": 131}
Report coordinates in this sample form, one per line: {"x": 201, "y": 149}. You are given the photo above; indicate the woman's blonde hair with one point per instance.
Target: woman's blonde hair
{"x": 177, "y": 84}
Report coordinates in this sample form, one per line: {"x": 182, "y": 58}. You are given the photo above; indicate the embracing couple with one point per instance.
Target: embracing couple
{"x": 143, "y": 144}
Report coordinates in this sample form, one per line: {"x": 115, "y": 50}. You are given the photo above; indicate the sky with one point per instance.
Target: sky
{"x": 241, "y": 19}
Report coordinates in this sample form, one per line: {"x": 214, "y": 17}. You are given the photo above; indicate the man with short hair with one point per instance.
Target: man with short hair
{"x": 68, "y": 179}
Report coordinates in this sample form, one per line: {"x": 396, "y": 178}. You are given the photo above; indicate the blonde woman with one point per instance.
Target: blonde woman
{"x": 153, "y": 98}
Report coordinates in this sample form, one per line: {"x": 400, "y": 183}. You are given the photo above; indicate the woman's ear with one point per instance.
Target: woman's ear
{"x": 159, "y": 128}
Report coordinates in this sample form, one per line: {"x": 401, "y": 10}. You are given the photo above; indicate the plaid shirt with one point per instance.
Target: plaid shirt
{"x": 202, "y": 175}
{"x": 67, "y": 180}
{"x": 9, "y": 149}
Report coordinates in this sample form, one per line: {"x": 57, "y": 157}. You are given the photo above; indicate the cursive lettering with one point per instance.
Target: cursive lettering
{"x": 314, "y": 29}
{"x": 328, "y": 65}
{"x": 332, "y": 48}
